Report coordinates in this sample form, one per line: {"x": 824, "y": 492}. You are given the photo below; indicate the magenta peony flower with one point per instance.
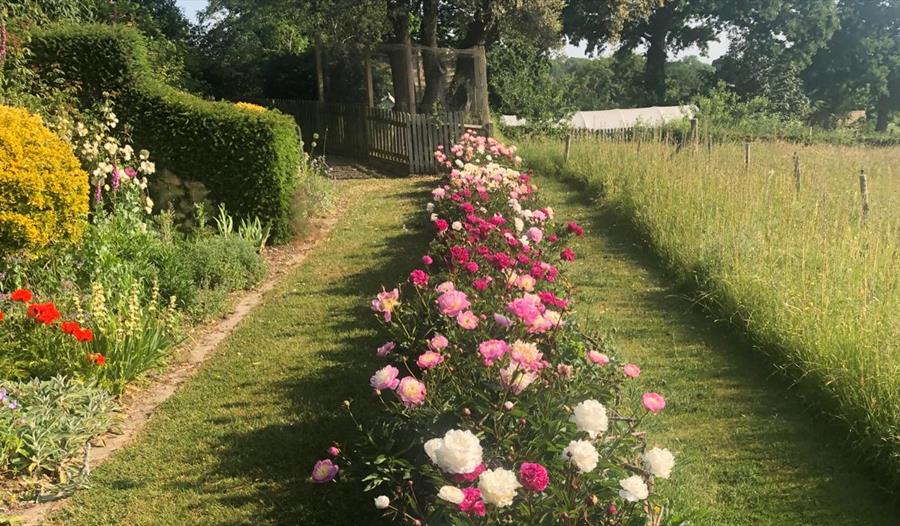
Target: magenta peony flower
{"x": 429, "y": 359}
{"x": 653, "y": 402}
{"x": 324, "y": 471}
{"x": 452, "y": 302}
{"x": 460, "y": 478}
{"x": 567, "y": 254}
{"x": 631, "y": 370}
{"x": 472, "y": 504}
{"x": 418, "y": 278}
{"x": 467, "y": 320}
{"x": 334, "y": 451}
{"x": 426, "y": 260}
{"x": 492, "y": 350}
{"x": 527, "y": 308}
{"x": 411, "y": 391}
{"x": 441, "y": 225}
{"x": 385, "y": 349}
{"x": 481, "y": 284}
{"x": 575, "y": 229}
{"x": 533, "y": 477}
{"x": 385, "y": 378}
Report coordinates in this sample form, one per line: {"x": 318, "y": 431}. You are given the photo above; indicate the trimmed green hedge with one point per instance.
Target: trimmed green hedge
{"x": 248, "y": 160}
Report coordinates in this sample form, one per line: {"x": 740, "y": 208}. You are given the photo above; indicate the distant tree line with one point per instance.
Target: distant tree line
{"x": 792, "y": 59}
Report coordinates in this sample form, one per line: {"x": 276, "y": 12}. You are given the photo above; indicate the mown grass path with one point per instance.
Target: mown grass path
{"x": 748, "y": 453}
{"x": 235, "y": 446}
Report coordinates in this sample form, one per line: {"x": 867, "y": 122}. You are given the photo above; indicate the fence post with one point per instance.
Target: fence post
{"x": 709, "y": 142}
{"x": 797, "y": 172}
{"x": 567, "y": 148}
{"x": 410, "y": 79}
{"x": 864, "y": 193}
{"x": 370, "y": 92}
{"x": 747, "y": 155}
{"x": 481, "y": 88}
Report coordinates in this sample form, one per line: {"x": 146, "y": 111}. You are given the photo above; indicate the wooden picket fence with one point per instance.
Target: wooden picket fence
{"x": 392, "y": 140}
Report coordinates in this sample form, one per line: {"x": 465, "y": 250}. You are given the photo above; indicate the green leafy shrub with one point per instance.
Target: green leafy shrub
{"x": 250, "y": 161}
{"x": 45, "y": 426}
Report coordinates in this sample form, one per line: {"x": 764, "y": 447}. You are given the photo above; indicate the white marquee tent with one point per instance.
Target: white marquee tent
{"x": 651, "y": 117}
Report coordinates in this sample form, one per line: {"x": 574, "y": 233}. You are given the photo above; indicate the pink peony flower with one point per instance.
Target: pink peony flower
{"x": 411, "y": 391}
{"x": 535, "y": 234}
{"x": 418, "y": 278}
{"x": 385, "y": 378}
{"x": 452, "y": 302}
{"x": 386, "y": 302}
{"x": 334, "y": 451}
{"x": 598, "y": 357}
{"x": 446, "y": 286}
{"x": 429, "y": 359}
{"x": 385, "y": 349}
{"x": 567, "y": 254}
{"x": 502, "y": 321}
{"x": 324, "y": 471}
{"x": 426, "y": 260}
{"x": 527, "y": 308}
{"x": 527, "y": 355}
{"x": 441, "y": 225}
{"x": 653, "y": 402}
{"x": 575, "y": 229}
{"x": 492, "y": 350}
{"x": 460, "y": 478}
{"x": 472, "y": 504}
{"x": 438, "y": 342}
{"x": 533, "y": 477}
{"x": 467, "y": 320}
{"x": 631, "y": 370}
{"x": 438, "y": 193}
{"x": 481, "y": 284}
{"x": 472, "y": 267}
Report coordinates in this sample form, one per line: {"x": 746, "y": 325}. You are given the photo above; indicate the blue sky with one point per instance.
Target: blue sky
{"x": 716, "y": 49}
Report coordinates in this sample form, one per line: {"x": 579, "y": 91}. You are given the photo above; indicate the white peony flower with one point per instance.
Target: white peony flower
{"x": 456, "y": 226}
{"x": 434, "y": 217}
{"x": 498, "y": 486}
{"x": 429, "y": 207}
{"x": 148, "y": 167}
{"x": 519, "y": 224}
{"x": 111, "y": 148}
{"x": 659, "y": 462}
{"x": 382, "y": 502}
{"x": 583, "y": 454}
{"x": 451, "y": 494}
{"x": 127, "y": 152}
{"x": 633, "y": 489}
{"x": 590, "y": 417}
{"x": 458, "y": 452}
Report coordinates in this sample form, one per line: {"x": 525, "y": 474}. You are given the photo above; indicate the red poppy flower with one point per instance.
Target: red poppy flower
{"x": 83, "y": 335}
{"x": 2, "y": 315}
{"x": 96, "y": 358}
{"x": 45, "y": 313}
{"x": 23, "y": 295}
{"x": 69, "y": 327}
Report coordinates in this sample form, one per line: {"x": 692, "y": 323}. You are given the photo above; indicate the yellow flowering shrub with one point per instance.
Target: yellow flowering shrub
{"x": 43, "y": 190}
{"x": 249, "y": 106}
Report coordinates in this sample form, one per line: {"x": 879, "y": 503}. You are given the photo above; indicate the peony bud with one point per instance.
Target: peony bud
{"x": 508, "y": 405}
{"x": 466, "y": 411}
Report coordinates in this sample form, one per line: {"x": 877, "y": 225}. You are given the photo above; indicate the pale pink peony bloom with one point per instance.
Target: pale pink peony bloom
{"x": 453, "y": 302}
{"x": 502, "y": 321}
{"x": 467, "y": 320}
{"x": 653, "y": 402}
{"x": 324, "y": 471}
{"x": 535, "y": 234}
{"x": 492, "y": 350}
{"x": 526, "y": 355}
{"x": 429, "y": 359}
{"x": 516, "y": 379}
{"x": 631, "y": 370}
{"x": 385, "y": 378}
{"x": 411, "y": 391}
{"x": 446, "y": 286}
{"x": 598, "y": 357}
{"x": 386, "y": 302}
{"x": 385, "y": 349}
{"x": 438, "y": 342}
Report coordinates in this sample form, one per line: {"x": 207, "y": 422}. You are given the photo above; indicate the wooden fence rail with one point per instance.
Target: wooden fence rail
{"x": 393, "y": 140}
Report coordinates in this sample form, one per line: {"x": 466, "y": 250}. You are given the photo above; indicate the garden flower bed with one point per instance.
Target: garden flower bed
{"x": 497, "y": 407}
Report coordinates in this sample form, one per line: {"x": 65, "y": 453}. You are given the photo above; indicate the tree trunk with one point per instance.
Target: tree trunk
{"x": 400, "y": 67}
{"x": 434, "y": 69}
{"x": 883, "y": 110}
{"x": 657, "y": 43}
{"x": 481, "y": 31}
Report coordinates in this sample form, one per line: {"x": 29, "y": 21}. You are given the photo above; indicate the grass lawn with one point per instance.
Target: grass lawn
{"x": 747, "y": 451}
{"x": 236, "y": 444}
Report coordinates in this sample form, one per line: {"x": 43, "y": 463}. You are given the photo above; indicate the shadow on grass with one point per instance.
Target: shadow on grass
{"x": 719, "y": 381}
{"x": 276, "y": 459}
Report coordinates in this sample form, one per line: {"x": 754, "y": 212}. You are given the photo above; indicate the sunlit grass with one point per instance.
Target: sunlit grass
{"x": 815, "y": 284}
